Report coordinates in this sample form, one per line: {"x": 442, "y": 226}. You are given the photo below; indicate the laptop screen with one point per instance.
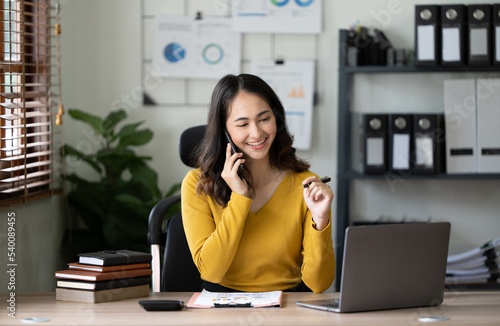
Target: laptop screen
{"x": 394, "y": 266}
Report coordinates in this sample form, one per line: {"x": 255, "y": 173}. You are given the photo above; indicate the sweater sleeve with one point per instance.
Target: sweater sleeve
{"x": 318, "y": 268}
{"x": 213, "y": 233}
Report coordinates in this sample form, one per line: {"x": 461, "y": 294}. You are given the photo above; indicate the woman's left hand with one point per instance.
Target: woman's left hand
{"x": 318, "y": 197}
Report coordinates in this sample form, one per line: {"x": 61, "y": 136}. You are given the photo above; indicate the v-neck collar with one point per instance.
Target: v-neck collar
{"x": 273, "y": 195}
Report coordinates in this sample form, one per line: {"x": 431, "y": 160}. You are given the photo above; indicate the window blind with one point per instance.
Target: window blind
{"x": 30, "y": 101}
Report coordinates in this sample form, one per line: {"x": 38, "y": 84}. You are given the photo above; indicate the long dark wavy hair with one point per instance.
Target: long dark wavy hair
{"x": 211, "y": 153}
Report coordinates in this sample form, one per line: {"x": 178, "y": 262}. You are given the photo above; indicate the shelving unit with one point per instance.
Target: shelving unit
{"x": 344, "y": 173}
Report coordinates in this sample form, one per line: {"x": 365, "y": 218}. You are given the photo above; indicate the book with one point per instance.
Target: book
{"x": 97, "y": 268}
{"x": 98, "y": 276}
{"x": 114, "y": 257}
{"x": 103, "y": 285}
{"x": 207, "y": 299}
{"x": 86, "y": 296}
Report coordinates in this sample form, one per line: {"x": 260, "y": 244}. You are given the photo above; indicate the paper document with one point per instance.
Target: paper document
{"x": 207, "y": 299}
{"x": 187, "y": 48}
{"x": 293, "y": 82}
{"x": 277, "y": 16}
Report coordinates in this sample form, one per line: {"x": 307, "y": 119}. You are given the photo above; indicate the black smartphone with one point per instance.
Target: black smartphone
{"x": 230, "y": 141}
{"x": 162, "y": 305}
{"x": 233, "y": 149}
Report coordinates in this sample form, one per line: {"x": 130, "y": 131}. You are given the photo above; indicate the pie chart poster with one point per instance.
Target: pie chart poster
{"x": 188, "y": 48}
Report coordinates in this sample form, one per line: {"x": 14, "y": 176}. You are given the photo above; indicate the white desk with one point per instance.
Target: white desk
{"x": 462, "y": 308}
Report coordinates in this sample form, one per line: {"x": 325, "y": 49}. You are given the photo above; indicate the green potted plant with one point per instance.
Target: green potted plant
{"x": 114, "y": 205}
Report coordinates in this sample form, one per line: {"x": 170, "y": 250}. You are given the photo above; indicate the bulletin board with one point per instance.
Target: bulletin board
{"x": 274, "y": 56}
{"x": 175, "y": 92}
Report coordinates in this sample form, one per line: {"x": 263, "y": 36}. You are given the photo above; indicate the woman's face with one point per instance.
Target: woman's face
{"x": 251, "y": 125}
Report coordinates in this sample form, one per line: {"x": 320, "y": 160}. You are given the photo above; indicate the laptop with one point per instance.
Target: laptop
{"x": 391, "y": 266}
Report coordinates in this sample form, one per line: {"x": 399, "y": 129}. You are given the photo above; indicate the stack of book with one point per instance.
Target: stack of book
{"x": 105, "y": 276}
{"x": 480, "y": 265}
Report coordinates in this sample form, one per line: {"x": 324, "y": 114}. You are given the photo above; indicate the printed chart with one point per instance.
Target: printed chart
{"x": 293, "y": 82}
{"x": 277, "y": 16}
{"x": 189, "y": 48}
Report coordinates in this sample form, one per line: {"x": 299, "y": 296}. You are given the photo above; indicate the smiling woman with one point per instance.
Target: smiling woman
{"x": 257, "y": 230}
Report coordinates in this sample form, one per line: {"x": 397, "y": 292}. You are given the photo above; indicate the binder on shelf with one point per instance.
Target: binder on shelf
{"x": 427, "y": 35}
{"x": 369, "y": 143}
{"x": 460, "y": 125}
{"x": 488, "y": 125}
{"x": 480, "y": 25}
{"x": 428, "y": 143}
{"x": 400, "y": 145}
{"x": 496, "y": 34}
{"x": 453, "y": 32}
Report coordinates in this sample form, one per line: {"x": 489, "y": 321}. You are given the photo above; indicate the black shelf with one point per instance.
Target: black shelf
{"x": 414, "y": 69}
{"x": 474, "y": 176}
{"x": 344, "y": 173}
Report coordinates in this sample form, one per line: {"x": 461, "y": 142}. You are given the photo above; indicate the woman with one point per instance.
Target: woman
{"x": 250, "y": 224}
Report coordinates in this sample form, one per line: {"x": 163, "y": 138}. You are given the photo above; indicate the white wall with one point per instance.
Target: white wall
{"x": 102, "y": 71}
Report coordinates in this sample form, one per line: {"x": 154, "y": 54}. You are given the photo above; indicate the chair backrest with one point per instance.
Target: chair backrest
{"x": 178, "y": 271}
{"x": 188, "y": 141}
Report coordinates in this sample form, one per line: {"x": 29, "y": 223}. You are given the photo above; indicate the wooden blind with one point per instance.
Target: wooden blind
{"x": 30, "y": 101}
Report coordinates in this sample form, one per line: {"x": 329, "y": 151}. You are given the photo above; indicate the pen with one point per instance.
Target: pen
{"x": 233, "y": 305}
{"x": 324, "y": 180}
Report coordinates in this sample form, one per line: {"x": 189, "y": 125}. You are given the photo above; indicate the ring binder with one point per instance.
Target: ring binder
{"x": 369, "y": 143}
{"x": 479, "y": 20}
{"x": 400, "y": 146}
{"x": 428, "y": 142}
{"x": 496, "y": 33}
{"x": 427, "y": 35}
{"x": 453, "y": 25}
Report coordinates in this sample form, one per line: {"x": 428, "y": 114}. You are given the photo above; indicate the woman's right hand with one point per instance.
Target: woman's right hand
{"x": 230, "y": 172}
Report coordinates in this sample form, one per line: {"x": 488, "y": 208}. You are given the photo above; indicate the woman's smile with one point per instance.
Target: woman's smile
{"x": 257, "y": 144}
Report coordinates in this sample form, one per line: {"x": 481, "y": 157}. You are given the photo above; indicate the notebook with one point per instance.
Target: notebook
{"x": 391, "y": 266}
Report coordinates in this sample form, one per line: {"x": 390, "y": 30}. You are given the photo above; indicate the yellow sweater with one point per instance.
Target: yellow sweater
{"x": 272, "y": 249}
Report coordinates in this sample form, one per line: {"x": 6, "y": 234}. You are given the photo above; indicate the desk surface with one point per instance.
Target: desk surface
{"x": 462, "y": 308}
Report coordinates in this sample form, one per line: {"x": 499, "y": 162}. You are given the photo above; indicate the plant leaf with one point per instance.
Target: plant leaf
{"x": 136, "y": 138}
{"x": 91, "y": 202}
{"x": 146, "y": 176}
{"x": 73, "y": 178}
{"x": 92, "y": 120}
{"x": 129, "y": 128}
{"x": 112, "y": 120}
{"x": 71, "y": 151}
{"x": 134, "y": 203}
{"x": 116, "y": 161}
{"x": 126, "y": 130}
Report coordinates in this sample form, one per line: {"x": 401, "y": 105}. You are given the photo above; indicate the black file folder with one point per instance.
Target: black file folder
{"x": 400, "y": 144}
{"x": 369, "y": 143}
{"x": 496, "y": 34}
{"x": 427, "y": 35}
{"x": 479, "y": 34}
{"x": 453, "y": 32}
{"x": 428, "y": 143}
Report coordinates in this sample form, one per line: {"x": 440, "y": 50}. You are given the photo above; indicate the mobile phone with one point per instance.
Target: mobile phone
{"x": 230, "y": 141}
{"x": 233, "y": 149}
{"x": 162, "y": 305}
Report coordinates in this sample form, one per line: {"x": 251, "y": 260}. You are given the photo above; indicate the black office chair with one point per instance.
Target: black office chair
{"x": 178, "y": 273}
